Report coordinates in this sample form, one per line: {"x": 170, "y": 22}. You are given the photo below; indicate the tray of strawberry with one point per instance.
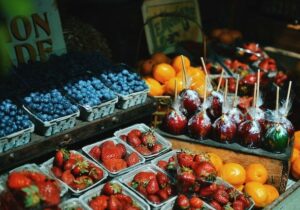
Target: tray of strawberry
{"x": 33, "y": 189}
{"x": 114, "y": 155}
{"x": 72, "y": 204}
{"x": 152, "y": 184}
{"x": 167, "y": 162}
{"x": 144, "y": 140}
{"x": 74, "y": 170}
{"x": 112, "y": 195}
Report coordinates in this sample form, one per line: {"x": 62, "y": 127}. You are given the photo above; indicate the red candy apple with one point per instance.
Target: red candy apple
{"x": 190, "y": 101}
{"x": 199, "y": 126}
{"x": 224, "y": 129}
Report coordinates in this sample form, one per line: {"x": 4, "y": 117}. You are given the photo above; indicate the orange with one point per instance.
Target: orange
{"x": 170, "y": 86}
{"x": 156, "y": 89}
{"x": 163, "y": 72}
{"x": 199, "y": 86}
{"x": 258, "y": 192}
{"x": 177, "y": 63}
{"x": 160, "y": 57}
{"x": 295, "y": 154}
{"x": 147, "y": 66}
{"x": 233, "y": 173}
{"x": 256, "y": 172}
{"x": 215, "y": 160}
{"x": 273, "y": 193}
{"x": 297, "y": 140}
{"x": 239, "y": 187}
{"x": 296, "y": 168}
{"x": 196, "y": 74}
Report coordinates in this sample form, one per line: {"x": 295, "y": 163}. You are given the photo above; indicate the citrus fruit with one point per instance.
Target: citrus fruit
{"x": 258, "y": 192}
{"x": 297, "y": 140}
{"x": 147, "y": 66}
{"x": 273, "y": 193}
{"x": 296, "y": 168}
{"x": 256, "y": 172}
{"x": 163, "y": 72}
{"x": 295, "y": 154}
{"x": 160, "y": 57}
{"x": 170, "y": 86}
{"x": 156, "y": 89}
{"x": 177, "y": 63}
{"x": 196, "y": 74}
{"x": 239, "y": 187}
{"x": 199, "y": 86}
{"x": 233, "y": 173}
{"x": 215, "y": 160}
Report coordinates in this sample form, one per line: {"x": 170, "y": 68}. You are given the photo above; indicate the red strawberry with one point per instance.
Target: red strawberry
{"x": 122, "y": 149}
{"x": 142, "y": 189}
{"x": 154, "y": 199}
{"x": 162, "y": 164}
{"x": 56, "y": 171}
{"x": 80, "y": 168}
{"x": 216, "y": 205}
{"x": 183, "y": 202}
{"x": 69, "y": 164}
{"x": 95, "y": 152}
{"x": 124, "y": 198}
{"x": 96, "y": 173}
{"x": 17, "y": 181}
{"x": 170, "y": 189}
{"x": 114, "y": 165}
{"x": 162, "y": 179}
{"x": 67, "y": 177}
{"x": 49, "y": 192}
{"x": 61, "y": 156}
{"x": 111, "y": 153}
{"x": 221, "y": 196}
{"x": 132, "y": 208}
{"x": 132, "y": 159}
{"x": 144, "y": 177}
{"x": 111, "y": 188}
{"x": 148, "y": 139}
{"x": 187, "y": 178}
{"x": 156, "y": 148}
{"x": 196, "y": 202}
{"x": 133, "y": 140}
{"x": 152, "y": 187}
{"x": 238, "y": 205}
{"x": 35, "y": 176}
{"x": 82, "y": 182}
{"x": 208, "y": 190}
{"x": 99, "y": 202}
{"x": 107, "y": 144}
{"x": 244, "y": 199}
{"x": 143, "y": 150}
{"x": 163, "y": 194}
{"x": 114, "y": 203}
{"x": 205, "y": 170}
{"x": 184, "y": 159}
{"x": 200, "y": 158}
{"x": 136, "y": 132}
{"x": 76, "y": 156}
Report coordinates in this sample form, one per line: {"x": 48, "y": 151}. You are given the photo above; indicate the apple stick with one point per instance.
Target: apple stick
{"x": 205, "y": 89}
{"x": 277, "y": 99}
{"x": 225, "y": 93}
{"x": 254, "y": 96}
{"x": 205, "y": 70}
{"x": 184, "y": 71}
{"x": 220, "y": 80}
{"x": 288, "y": 95}
{"x": 176, "y": 91}
{"x": 258, "y": 82}
{"x": 236, "y": 90}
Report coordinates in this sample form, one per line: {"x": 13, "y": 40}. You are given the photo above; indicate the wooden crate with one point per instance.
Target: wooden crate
{"x": 278, "y": 169}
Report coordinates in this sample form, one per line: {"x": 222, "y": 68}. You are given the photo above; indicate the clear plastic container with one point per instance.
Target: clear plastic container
{"x": 71, "y": 204}
{"x": 170, "y": 205}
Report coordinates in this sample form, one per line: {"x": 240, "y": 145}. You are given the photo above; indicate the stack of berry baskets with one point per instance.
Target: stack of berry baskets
{"x": 15, "y": 126}
{"x": 128, "y": 85}
{"x": 64, "y": 175}
{"x": 160, "y": 187}
{"x": 114, "y": 155}
{"x": 173, "y": 206}
{"x": 90, "y": 199}
{"x": 167, "y": 162}
{"x": 73, "y": 203}
{"x": 50, "y": 111}
{"x": 144, "y": 140}
{"x": 93, "y": 98}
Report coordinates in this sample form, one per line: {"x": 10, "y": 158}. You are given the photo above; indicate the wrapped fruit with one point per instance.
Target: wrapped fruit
{"x": 235, "y": 114}
{"x": 224, "y": 129}
{"x": 199, "y": 126}
{"x": 283, "y": 112}
{"x": 276, "y": 138}
{"x": 190, "y": 101}
{"x": 216, "y": 99}
{"x": 250, "y": 133}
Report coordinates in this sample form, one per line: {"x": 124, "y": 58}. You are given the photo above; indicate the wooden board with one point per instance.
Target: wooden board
{"x": 278, "y": 169}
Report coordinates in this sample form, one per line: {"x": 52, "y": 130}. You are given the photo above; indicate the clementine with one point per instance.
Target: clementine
{"x": 256, "y": 172}
{"x": 239, "y": 187}
{"x": 160, "y": 57}
{"x": 170, "y": 86}
{"x": 233, "y": 173}
{"x": 215, "y": 160}
{"x": 297, "y": 140}
{"x": 258, "y": 192}
{"x": 156, "y": 89}
{"x": 295, "y": 154}
{"x": 163, "y": 72}
{"x": 296, "y": 168}
{"x": 177, "y": 63}
{"x": 273, "y": 193}
{"x": 199, "y": 86}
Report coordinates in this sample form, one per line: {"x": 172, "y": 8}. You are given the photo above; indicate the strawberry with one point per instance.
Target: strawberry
{"x": 144, "y": 177}
{"x": 143, "y": 150}
{"x": 152, "y": 187}
{"x": 114, "y": 203}
{"x": 132, "y": 208}
{"x": 36, "y": 176}
{"x": 162, "y": 164}
{"x": 200, "y": 158}
{"x": 136, "y": 132}
{"x": 67, "y": 177}
{"x": 208, "y": 190}
{"x": 133, "y": 140}
{"x": 163, "y": 194}
{"x": 82, "y": 182}
{"x": 123, "y": 137}
{"x": 80, "y": 168}
{"x": 238, "y": 205}
{"x": 96, "y": 174}
{"x": 56, "y": 171}
{"x": 18, "y": 181}
{"x": 244, "y": 199}
{"x": 95, "y": 152}
{"x": 184, "y": 159}
{"x": 187, "y": 178}
{"x": 111, "y": 153}
{"x": 142, "y": 189}
{"x": 132, "y": 159}
{"x": 114, "y": 165}
{"x": 99, "y": 202}
{"x": 69, "y": 164}
{"x": 216, "y": 205}
{"x": 221, "y": 196}
{"x": 205, "y": 171}
{"x": 156, "y": 148}
{"x": 170, "y": 189}
{"x": 61, "y": 156}
{"x": 76, "y": 156}
{"x": 162, "y": 179}
{"x": 154, "y": 199}
{"x": 122, "y": 149}
{"x": 111, "y": 188}
{"x": 107, "y": 144}
{"x": 196, "y": 202}
{"x": 124, "y": 198}
{"x": 49, "y": 192}
{"x": 149, "y": 139}
{"x": 183, "y": 202}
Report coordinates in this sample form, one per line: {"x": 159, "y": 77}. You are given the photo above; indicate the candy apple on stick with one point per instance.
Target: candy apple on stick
{"x": 235, "y": 113}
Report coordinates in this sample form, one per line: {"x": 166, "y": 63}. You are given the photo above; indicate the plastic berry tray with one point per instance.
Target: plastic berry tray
{"x": 55, "y": 126}
{"x": 73, "y": 203}
{"x": 133, "y": 99}
{"x": 116, "y": 140}
{"x": 33, "y": 167}
{"x": 86, "y": 197}
{"x": 16, "y": 139}
{"x": 170, "y": 205}
{"x": 142, "y": 127}
{"x": 46, "y": 166}
{"x": 165, "y": 157}
{"x": 127, "y": 178}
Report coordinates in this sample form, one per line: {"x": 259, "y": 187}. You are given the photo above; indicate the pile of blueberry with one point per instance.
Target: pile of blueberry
{"x": 123, "y": 82}
{"x": 89, "y": 92}
{"x": 12, "y": 119}
{"x": 49, "y": 105}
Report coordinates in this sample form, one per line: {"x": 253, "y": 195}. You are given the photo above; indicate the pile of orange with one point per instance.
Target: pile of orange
{"x": 295, "y": 159}
{"x": 160, "y": 73}
{"x": 252, "y": 179}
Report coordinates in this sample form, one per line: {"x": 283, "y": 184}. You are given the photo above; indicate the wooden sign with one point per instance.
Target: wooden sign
{"x": 36, "y": 36}
{"x": 165, "y": 31}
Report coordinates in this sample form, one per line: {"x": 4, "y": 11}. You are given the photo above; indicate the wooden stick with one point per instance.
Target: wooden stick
{"x": 184, "y": 71}
{"x": 277, "y": 99}
{"x": 254, "y": 96}
{"x": 176, "y": 91}
{"x": 204, "y": 66}
{"x": 258, "y": 82}
{"x": 236, "y": 90}
{"x": 220, "y": 80}
{"x": 205, "y": 89}
{"x": 288, "y": 95}
{"x": 225, "y": 93}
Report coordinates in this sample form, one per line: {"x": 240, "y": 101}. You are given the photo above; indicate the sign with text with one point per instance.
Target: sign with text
{"x": 175, "y": 21}
{"x": 36, "y": 36}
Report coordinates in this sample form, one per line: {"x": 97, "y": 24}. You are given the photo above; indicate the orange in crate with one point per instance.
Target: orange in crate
{"x": 177, "y": 63}
{"x": 156, "y": 89}
{"x": 256, "y": 172}
{"x": 258, "y": 192}
{"x": 170, "y": 86}
{"x": 163, "y": 72}
{"x": 233, "y": 173}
